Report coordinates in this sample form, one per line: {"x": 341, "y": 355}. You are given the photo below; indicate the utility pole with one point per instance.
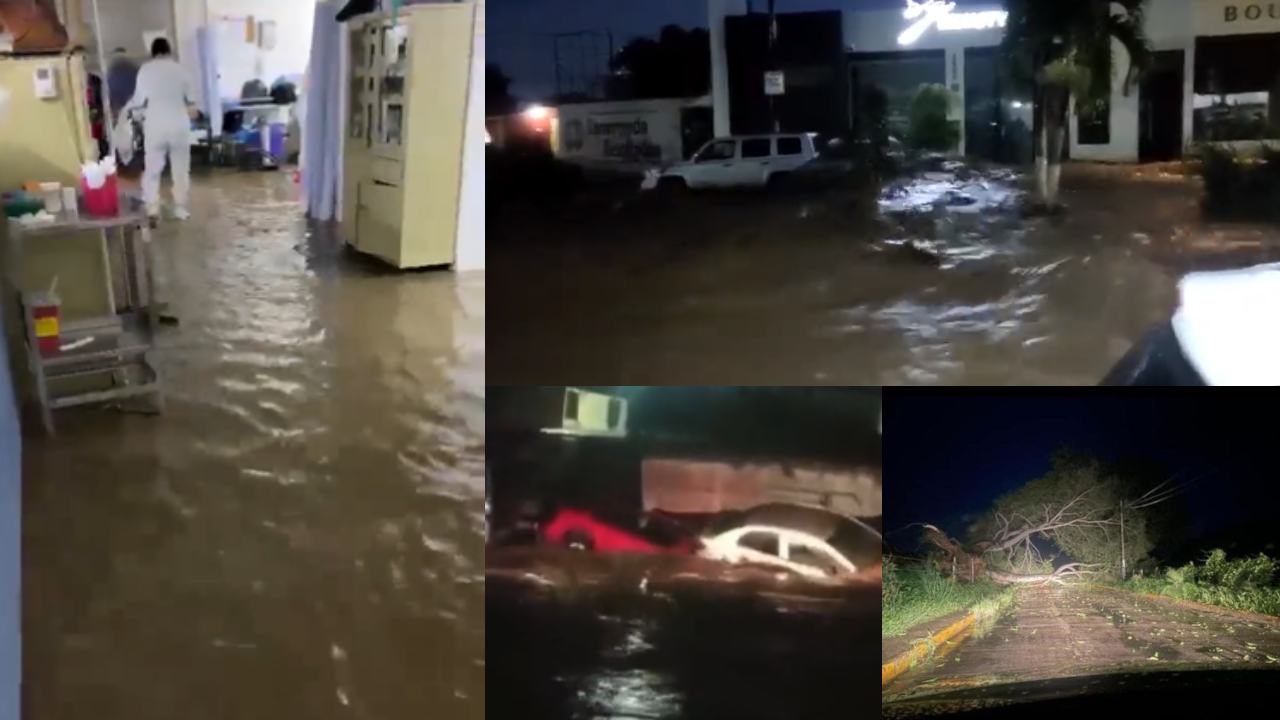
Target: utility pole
{"x": 1123, "y": 568}
{"x": 1154, "y": 496}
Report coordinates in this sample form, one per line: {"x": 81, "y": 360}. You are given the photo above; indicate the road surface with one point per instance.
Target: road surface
{"x": 1067, "y": 632}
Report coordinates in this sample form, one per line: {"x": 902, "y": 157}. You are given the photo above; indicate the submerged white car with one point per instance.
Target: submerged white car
{"x": 739, "y": 161}
{"x": 808, "y": 541}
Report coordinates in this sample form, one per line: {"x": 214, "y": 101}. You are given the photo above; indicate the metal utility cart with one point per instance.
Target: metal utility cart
{"x": 114, "y": 348}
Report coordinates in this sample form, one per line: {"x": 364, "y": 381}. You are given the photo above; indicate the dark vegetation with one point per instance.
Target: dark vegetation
{"x": 930, "y": 129}
{"x": 1246, "y": 583}
{"x": 1240, "y": 188}
{"x": 676, "y": 64}
{"x": 916, "y": 592}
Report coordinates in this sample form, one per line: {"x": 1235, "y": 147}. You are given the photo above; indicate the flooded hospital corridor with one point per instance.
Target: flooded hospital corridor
{"x": 300, "y": 533}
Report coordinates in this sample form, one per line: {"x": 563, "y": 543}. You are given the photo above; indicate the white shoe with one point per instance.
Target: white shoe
{"x": 181, "y": 214}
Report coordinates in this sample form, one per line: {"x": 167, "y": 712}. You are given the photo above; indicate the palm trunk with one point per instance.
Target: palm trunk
{"x": 1055, "y": 165}
{"x": 1042, "y": 163}
{"x": 1051, "y": 141}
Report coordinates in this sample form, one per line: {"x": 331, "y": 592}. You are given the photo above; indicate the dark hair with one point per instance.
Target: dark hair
{"x": 159, "y": 47}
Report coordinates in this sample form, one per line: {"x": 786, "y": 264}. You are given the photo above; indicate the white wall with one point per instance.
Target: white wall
{"x": 1124, "y": 119}
{"x": 240, "y": 61}
{"x": 1230, "y": 17}
{"x": 1174, "y": 25}
{"x": 585, "y": 128}
{"x": 717, "y": 10}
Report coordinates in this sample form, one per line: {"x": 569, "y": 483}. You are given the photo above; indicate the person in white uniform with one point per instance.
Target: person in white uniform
{"x": 163, "y": 91}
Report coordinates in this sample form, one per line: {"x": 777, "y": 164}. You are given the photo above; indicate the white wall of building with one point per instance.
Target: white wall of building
{"x": 611, "y": 131}
{"x": 1124, "y": 119}
{"x": 717, "y": 11}
{"x": 1231, "y": 17}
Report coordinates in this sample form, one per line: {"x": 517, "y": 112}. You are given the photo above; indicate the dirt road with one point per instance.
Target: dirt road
{"x": 1070, "y": 632}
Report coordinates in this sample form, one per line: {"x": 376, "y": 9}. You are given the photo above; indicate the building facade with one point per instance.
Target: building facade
{"x": 1215, "y": 77}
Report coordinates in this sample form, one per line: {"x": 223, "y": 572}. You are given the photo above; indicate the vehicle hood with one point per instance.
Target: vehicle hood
{"x": 1226, "y": 325}
{"x": 1189, "y": 691}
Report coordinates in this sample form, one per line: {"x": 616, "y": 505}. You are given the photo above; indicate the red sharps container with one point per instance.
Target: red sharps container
{"x": 46, "y": 311}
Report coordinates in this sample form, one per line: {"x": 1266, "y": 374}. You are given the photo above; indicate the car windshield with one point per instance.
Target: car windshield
{"x": 718, "y": 150}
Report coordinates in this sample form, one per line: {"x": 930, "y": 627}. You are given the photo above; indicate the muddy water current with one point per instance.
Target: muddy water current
{"x": 300, "y": 534}
{"x": 934, "y": 279}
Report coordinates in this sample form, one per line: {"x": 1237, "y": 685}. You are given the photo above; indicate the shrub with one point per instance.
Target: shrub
{"x": 1241, "y": 188}
{"x": 1241, "y": 584}
{"x": 917, "y": 593}
{"x": 929, "y": 127}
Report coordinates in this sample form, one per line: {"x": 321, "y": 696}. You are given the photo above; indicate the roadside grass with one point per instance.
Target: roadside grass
{"x": 1239, "y": 584}
{"x": 917, "y": 593}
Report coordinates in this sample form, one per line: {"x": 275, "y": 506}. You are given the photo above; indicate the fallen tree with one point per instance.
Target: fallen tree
{"x": 972, "y": 566}
{"x": 1080, "y": 510}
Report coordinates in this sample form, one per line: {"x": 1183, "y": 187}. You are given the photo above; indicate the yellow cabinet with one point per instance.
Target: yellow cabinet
{"x": 407, "y": 103}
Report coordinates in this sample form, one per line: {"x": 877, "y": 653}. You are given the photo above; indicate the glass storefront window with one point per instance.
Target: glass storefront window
{"x": 1237, "y": 88}
{"x": 894, "y": 79}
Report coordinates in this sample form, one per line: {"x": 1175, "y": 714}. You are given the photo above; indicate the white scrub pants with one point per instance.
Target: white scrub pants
{"x": 176, "y": 145}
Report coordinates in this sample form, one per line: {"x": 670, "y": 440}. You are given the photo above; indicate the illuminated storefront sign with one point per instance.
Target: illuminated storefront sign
{"x": 942, "y": 14}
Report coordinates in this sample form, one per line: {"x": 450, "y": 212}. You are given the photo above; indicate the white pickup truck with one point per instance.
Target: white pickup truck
{"x": 738, "y": 161}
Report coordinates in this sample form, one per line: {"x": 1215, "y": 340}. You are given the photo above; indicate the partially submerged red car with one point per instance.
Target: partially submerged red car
{"x": 582, "y": 530}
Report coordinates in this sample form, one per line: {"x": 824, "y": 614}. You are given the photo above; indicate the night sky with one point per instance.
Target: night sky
{"x": 947, "y": 456}
{"x": 520, "y": 31}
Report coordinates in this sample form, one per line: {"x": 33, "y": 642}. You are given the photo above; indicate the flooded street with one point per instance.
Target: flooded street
{"x": 854, "y": 288}
{"x": 301, "y": 533}
{"x": 590, "y": 636}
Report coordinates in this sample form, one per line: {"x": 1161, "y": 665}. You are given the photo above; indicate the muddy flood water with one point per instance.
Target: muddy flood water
{"x": 300, "y": 534}
{"x": 936, "y": 279}
{"x": 581, "y": 636}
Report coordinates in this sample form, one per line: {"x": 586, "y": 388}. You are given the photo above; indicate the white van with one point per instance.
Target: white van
{"x": 739, "y": 161}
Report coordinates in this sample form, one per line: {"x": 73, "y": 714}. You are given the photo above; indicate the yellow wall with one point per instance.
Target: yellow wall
{"x": 47, "y": 140}
{"x": 43, "y": 139}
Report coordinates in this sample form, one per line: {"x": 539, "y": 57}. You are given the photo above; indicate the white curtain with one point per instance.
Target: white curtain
{"x": 322, "y": 133}
{"x": 207, "y": 49}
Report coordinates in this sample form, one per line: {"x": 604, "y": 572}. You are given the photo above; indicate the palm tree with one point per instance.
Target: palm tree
{"x": 1064, "y": 50}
